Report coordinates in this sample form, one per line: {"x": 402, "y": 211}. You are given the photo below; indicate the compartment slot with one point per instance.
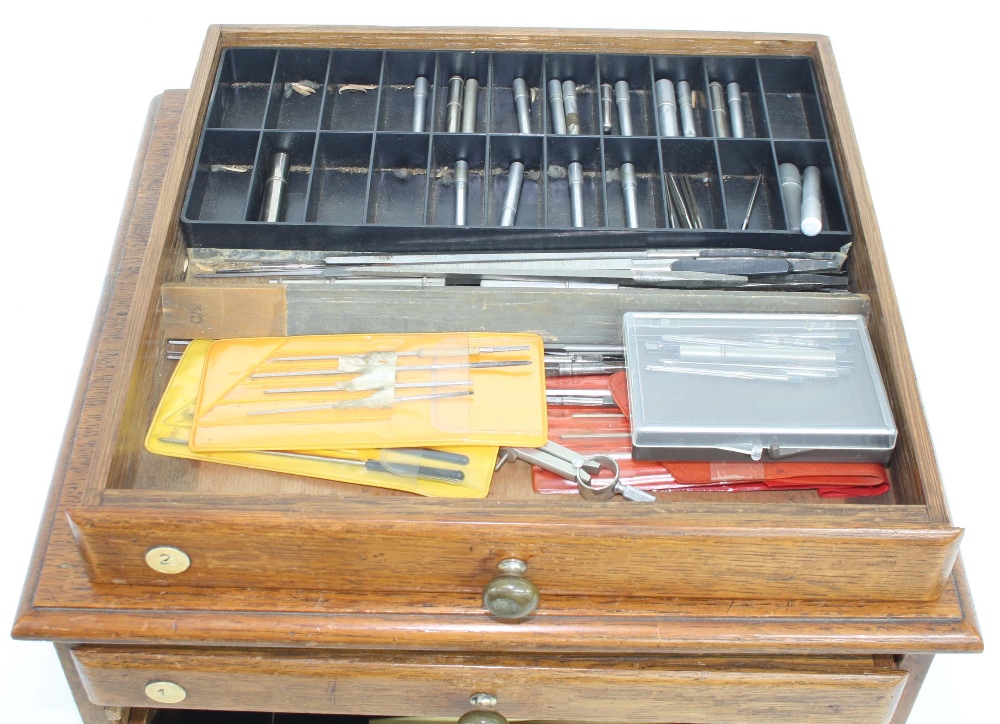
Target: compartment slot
{"x": 679, "y": 68}
{"x": 582, "y": 70}
{"x": 340, "y": 179}
{"x": 222, "y": 176}
{"x": 349, "y": 108}
{"x": 793, "y": 108}
{"x": 447, "y": 149}
{"x": 241, "y": 92}
{"x": 398, "y": 78}
{"x": 503, "y": 113}
{"x": 634, "y": 70}
{"x": 741, "y": 163}
{"x": 465, "y": 65}
{"x": 644, "y": 156}
{"x": 561, "y": 151}
{"x": 531, "y": 206}
{"x": 743, "y": 71}
{"x": 300, "y": 146}
{"x": 398, "y": 179}
{"x": 297, "y": 109}
{"x": 696, "y": 160}
{"x": 817, "y": 153}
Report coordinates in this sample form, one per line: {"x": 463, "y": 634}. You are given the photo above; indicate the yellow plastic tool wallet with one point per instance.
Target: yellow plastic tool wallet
{"x": 466, "y": 470}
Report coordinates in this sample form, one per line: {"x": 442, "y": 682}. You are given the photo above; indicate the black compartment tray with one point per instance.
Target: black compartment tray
{"x": 361, "y": 179}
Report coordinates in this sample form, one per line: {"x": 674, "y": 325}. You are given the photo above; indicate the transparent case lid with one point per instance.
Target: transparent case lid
{"x": 761, "y": 385}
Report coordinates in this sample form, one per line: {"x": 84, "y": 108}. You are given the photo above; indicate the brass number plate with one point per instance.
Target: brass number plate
{"x": 166, "y": 559}
{"x": 165, "y": 692}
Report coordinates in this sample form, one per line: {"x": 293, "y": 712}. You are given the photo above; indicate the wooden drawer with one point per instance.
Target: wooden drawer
{"x": 252, "y": 529}
{"x": 637, "y": 689}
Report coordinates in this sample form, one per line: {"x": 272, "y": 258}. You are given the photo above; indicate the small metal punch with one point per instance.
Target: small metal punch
{"x": 572, "y": 111}
{"x": 606, "y": 102}
{"x": 558, "y": 107}
{"x": 581, "y": 468}
{"x": 717, "y": 100}
{"x": 461, "y": 191}
{"x": 735, "y": 100}
{"x": 686, "y": 102}
{"x": 576, "y": 193}
{"x": 469, "y": 105}
{"x": 624, "y": 109}
{"x": 522, "y": 102}
{"x": 454, "y": 107}
{"x": 666, "y": 107}
{"x": 421, "y": 89}
{"x": 515, "y": 178}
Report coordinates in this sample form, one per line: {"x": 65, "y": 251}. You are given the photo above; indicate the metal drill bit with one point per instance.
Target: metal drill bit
{"x": 606, "y": 102}
{"x": 469, "y": 105}
{"x": 522, "y": 102}
{"x": 753, "y": 197}
{"x": 454, "y": 107}
{"x": 674, "y": 190}
{"x": 692, "y": 203}
{"x": 791, "y": 193}
{"x": 272, "y": 207}
{"x": 572, "y": 113}
{"x": 461, "y": 191}
{"x": 630, "y": 190}
{"x": 811, "y": 222}
{"x": 575, "y": 176}
{"x": 426, "y": 353}
{"x": 515, "y": 177}
{"x": 344, "y": 387}
{"x": 717, "y": 100}
{"x": 341, "y": 405}
{"x": 735, "y": 100}
{"x": 557, "y": 107}
{"x": 624, "y": 108}
{"x": 409, "y": 368}
{"x": 685, "y": 101}
{"x": 421, "y": 89}
{"x": 666, "y": 107}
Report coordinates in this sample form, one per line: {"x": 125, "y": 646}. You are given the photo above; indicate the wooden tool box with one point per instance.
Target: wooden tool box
{"x": 309, "y": 596}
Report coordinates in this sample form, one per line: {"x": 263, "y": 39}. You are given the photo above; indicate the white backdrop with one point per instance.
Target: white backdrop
{"x": 921, "y": 84}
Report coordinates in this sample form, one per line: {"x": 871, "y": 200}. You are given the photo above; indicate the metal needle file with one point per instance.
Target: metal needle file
{"x": 341, "y": 405}
{"x": 426, "y": 353}
{"x": 413, "y": 368}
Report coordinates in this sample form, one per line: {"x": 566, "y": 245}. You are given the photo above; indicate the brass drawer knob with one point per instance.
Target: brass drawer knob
{"x": 165, "y": 692}
{"x": 510, "y": 595}
{"x": 481, "y": 716}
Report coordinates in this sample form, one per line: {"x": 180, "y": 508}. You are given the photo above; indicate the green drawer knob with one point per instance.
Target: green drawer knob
{"x": 510, "y": 595}
{"x": 481, "y": 716}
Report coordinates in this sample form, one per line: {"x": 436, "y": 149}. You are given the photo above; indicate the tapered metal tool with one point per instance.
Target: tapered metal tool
{"x": 791, "y": 193}
{"x": 692, "y": 204}
{"x": 469, "y": 100}
{"x": 606, "y": 103}
{"x": 493, "y": 364}
{"x": 572, "y": 111}
{"x": 812, "y": 203}
{"x": 453, "y": 110}
{"x": 686, "y": 102}
{"x": 345, "y": 387}
{"x": 461, "y": 191}
{"x": 735, "y": 101}
{"x": 272, "y": 207}
{"x": 666, "y": 107}
{"x": 425, "y": 353}
{"x": 624, "y": 108}
{"x": 753, "y": 197}
{"x": 575, "y": 176}
{"x": 630, "y": 189}
{"x": 557, "y": 108}
{"x": 515, "y": 177}
{"x": 522, "y": 102}
{"x": 421, "y": 89}
{"x": 717, "y": 100}
{"x": 351, "y": 404}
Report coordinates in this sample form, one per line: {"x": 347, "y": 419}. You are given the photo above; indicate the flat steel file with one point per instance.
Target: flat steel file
{"x": 421, "y": 89}
{"x": 666, "y": 107}
{"x": 606, "y": 103}
{"x": 454, "y": 107}
{"x": 557, "y": 107}
{"x": 791, "y": 193}
{"x": 522, "y": 102}
{"x": 572, "y": 111}
{"x": 812, "y": 204}
{"x": 272, "y": 207}
{"x": 461, "y": 191}
{"x": 686, "y": 103}
{"x": 515, "y": 177}
{"x": 469, "y": 101}
{"x": 717, "y": 99}
{"x": 735, "y": 101}
{"x": 575, "y": 177}
{"x": 630, "y": 189}
{"x": 624, "y": 108}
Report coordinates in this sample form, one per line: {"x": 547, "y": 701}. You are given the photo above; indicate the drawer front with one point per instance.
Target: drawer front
{"x": 688, "y": 689}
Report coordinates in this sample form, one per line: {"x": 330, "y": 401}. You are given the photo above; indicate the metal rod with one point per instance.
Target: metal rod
{"x": 812, "y": 202}
{"x": 421, "y": 89}
{"x": 454, "y": 107}
{"x": 522, "y": 102}
{"x": 753, "y": 197}
{"x": 469, "y": 105}
{"x": 630, "y": 191}
{"x": 409, "y": 368}
{"x": 341, "y": 388}
{"x": 558, "y": 109}
{"x": 575, "y": 175}
{"x": 791, "y": 193}
{"x": 735, "y": 100}
{"x": 515, "y": 177}
{"x": 272, "y": 207}
{"x": 572, "y": 113}
{"x": 624, "y": 108}
{"x": 692, "y": 203}
{"x": 335, "y": 405}
{"x": 426, "y": 353}
{"x": 679, "y": 202}
{"x": 606, "y": 102}
{"x": 461, "y": 191}
{"x": 685, "y": 101}
{"x": 666, "y": 107}
{"x": 717, "y": 99}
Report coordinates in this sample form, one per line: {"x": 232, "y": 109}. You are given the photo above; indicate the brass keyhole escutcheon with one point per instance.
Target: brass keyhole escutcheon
{"x": 165, "y": 692}
{"x": 167, "y": 559}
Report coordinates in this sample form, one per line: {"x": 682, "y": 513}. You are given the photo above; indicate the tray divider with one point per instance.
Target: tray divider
{"x": 544, "y": 180}
{"x": 260, "y": 137}
{"x": 600, "y": 132}
{"x": 489, "y": 133}
{"x": 777, "y": 178}
{"x": 722, "y": 184}
{"x": 382, "y": 72}
{"x": 659, "y": 146}
{"x": 430, "y": 143}
{"x": 763, "y": 101}
{"x": 317, "y": 135}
